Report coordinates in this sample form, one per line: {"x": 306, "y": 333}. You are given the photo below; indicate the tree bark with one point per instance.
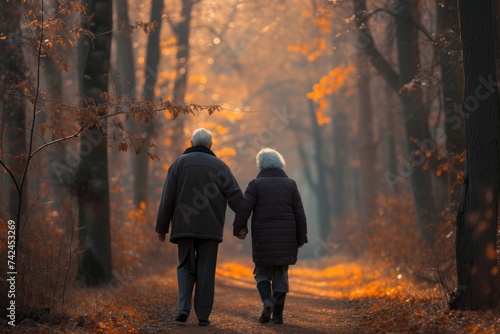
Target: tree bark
{"x": 416, "y": 124}
{"x": 146, "y": 131}
{"x": 477, "y": 217}
{"x": 367, "y": 149}
{"x": 415, "y": 113}
{"x": 13, "y": 69}
{"x": 320, "y": 185}
{"x": 182, "y": 32}
{"x": 92, "y": 183}
{"x": 452, "y": 83}
{"x": 340, "y": 158}
{"x": 125, "y": 62}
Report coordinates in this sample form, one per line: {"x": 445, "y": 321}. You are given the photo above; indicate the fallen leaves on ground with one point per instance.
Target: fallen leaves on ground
{"x": 344, "y": 297}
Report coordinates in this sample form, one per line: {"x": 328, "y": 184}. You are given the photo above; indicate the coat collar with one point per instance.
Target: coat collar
{"x": 275, "y": 172}
{"x": 199, "y": 148}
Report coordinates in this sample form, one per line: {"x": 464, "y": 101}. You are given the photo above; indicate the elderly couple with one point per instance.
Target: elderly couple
{"x": 197, "y": 190}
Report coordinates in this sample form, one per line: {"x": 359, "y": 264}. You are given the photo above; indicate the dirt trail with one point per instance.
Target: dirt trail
{"x": 344, "y": 297}
{"x": 148, "y": 304}
{"x": 237, "y": 307}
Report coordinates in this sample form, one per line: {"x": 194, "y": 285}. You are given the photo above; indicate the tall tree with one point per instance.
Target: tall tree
{"x": 125, "y": 64}
{"x": 146, "y": 131}
{"x": 414, "y": 110}
{"x": 477, "y": 217}
{"x": 452, "y": 85}
{"x": 92, "y": 176}
{"x": 13, "y": 71}
{"x": 182, "y": 30}
{"x": 338, "y": 176}
{"x": 316, "y": 178}
{"x": 367, "y": 149}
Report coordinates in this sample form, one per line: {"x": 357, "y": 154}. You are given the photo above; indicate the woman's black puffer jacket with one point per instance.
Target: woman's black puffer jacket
{"x": 278, "y": 221}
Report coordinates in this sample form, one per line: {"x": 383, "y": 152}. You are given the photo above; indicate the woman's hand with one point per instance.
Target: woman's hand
{"x": 243, "y": 233}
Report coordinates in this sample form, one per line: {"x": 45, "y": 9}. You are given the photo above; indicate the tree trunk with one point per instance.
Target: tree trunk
{"x": 416, "y": 124}
{"x": 415, "y": 113}
{"x": 452, "y": 82}
{"x": 320, "y": 187}
{"x": 146, "y": 131}
{"x": 182, "y": 32}
{"x": 338, "y": 198}
{"x": 92, "y": 176}
{"x": 367, "y": 149}
{"x": 13, "y": 107}
{"x": 477, "y": 217}
{"x": 125, "y": 62}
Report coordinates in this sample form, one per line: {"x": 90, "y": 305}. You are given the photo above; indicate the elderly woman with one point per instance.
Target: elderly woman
{"x": 278, "y": 230}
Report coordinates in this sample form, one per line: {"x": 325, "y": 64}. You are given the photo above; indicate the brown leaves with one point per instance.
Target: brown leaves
{"x": 123, "y": 147}
{"x": 145, "y": 26}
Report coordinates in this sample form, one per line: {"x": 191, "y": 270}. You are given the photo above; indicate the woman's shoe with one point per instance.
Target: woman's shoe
{"x": 279, "y": 299}
{"x": 266, "y": 311}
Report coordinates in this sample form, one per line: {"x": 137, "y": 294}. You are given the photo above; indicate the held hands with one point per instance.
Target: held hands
{"x": 243, "y": 233}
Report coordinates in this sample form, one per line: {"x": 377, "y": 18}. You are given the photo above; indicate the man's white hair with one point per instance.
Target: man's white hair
{"x": 201, "y": 137}
{"x": 268, "y": 158}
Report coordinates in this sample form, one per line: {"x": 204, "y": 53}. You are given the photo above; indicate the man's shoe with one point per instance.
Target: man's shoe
{"x": 277, "y": 318}
{"x": 182, "y": 317}
{"x": 203, "y": 322}
{"x": 266, "y": 311}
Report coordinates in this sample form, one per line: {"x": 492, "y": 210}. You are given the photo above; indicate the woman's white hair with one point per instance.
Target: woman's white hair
{"x": 268, "y": 158}
{"x": 201, "y": 137}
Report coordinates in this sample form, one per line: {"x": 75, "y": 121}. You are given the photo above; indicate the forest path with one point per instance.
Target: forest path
{"x": 149, "y": 305}
{"x": 238, "y": 306}
{"x": 341, "y": 297}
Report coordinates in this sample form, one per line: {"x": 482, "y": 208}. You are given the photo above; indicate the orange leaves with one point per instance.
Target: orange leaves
{"x": 327, "y": 86}
{"x": 320, "y": 46}
{"x": 311, "y": 51}
{"x": 67, "y": 7}
{"x": 322, "y": 119}
{"x": 322, "y": 20}
{"x": 234, "y": 270}
{"x": 55, "y": 27}
{"x": 301, "y": 48}
{"x": 330, "y": 83}
{"x": 222, "y": 130}
{"x": 226, "y": 151}
{"x": 444, "y": 168}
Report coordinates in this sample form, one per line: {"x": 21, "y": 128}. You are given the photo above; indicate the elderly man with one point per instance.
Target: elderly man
{"x": 198, "y": 188}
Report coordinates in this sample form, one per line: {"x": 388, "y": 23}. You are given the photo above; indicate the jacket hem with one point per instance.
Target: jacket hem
{"x": 174, "y": 239}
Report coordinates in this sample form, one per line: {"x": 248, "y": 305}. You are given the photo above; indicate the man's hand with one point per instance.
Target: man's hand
{"x": 243, "y": 233}
{"x": 161, "y": 237}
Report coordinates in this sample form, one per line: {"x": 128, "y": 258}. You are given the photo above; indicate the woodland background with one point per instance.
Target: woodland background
{"x": 363, "y": 98}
